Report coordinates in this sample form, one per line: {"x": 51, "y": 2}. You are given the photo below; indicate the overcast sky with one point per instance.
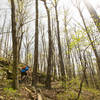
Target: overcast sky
{"x": 62, "y": 3}
{"x": 95, "y": 3}
{"x": 66, "y": 3}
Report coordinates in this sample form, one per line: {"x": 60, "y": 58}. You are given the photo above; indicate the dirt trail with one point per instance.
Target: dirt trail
{"x": 39, "y": 96}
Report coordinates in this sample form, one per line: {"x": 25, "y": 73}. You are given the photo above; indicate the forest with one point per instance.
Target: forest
{"x": 49, "y": 49}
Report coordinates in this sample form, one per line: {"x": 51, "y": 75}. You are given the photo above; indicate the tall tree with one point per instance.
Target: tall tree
{"x": 34, "y": 74}
{"x": 68, "y": 53}
{"x": 48, "y": 78}
{"x": 59, "y": 44}
{"x": 92, "y": 44}
{"x": 93, "y": 14}
{"x": 14, "y": 40}
{"x": 21, "y": 18}
{"x": 2, "y": 30}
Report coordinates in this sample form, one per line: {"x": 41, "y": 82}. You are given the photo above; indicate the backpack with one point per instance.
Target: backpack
{"x": 25, "y": 68}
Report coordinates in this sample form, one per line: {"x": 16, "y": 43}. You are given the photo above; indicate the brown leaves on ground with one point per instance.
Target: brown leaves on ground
{"x": 56, "y": 93}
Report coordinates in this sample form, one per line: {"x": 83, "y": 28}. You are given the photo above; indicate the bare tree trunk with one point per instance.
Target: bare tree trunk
{"x": 92, "y": 73}
{"x": 74, "y": 75}
{"x": 81, "y": 85}
{"x": 14, "y": 40}
{"x": 35, "y": 67}
{"x": 59, "y": 45}
{"x": 44, "y": 49}
{"x": 48, "y": 79}
{"x": 68, "y": 50}
{"x": 19, "y": 47}
{"x": 6, "y": 44}
{"x": 21, "y": 17}
{"x": 84, "y": 64}
{"x": 2, "y": 37}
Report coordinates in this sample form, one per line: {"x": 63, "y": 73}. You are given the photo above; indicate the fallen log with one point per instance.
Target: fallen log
{"x": 32, "y": 95}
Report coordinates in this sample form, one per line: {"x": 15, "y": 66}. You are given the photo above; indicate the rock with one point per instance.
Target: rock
{"x": 9, "y": 75}
{"x": 1, "y": 98}
{"x": 3, "y": 63}
{"x": 39, "y": 96}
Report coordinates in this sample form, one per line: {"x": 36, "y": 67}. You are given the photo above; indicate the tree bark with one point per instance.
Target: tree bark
{"x": 59, "y": 45}
{"x": 14, "y": 40}
{"x": 35, "y": 67}
{"x": 48, "y": 78}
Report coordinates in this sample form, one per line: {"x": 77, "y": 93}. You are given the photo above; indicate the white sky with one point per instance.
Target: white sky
{"x": 95, "y": 3}
{"x": 66, "y": 3}
{"x": 62, "y": 4}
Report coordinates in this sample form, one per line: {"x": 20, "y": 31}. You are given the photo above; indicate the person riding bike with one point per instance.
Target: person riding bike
{"x": 24, "y": 71}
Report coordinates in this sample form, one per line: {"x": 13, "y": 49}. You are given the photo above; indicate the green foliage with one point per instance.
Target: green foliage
{"x": 2, "y": 74}
{"x": 41, "y": 77}
{"x": 68, "y": 95}
{"x": 94, "y": 91}
{"x": 72, "y": 84}
{"x": 3, "y": 59}
{"x": 10, "y": 68}
{"x": 77, "y": 38}
{"x": 71, "y": 95}
{"x": 4, "y": 62}
{"x": 21, "y": 65}
{"x": 9, "y": 92}
{"x": 80, "y": 68}
{"x": 8, "y": 83}
{"x": 30, "y": 56}
{"x": 62, "y": 96}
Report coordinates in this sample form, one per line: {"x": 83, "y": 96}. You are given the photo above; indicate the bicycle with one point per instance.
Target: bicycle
{"x": 26, "y": 79}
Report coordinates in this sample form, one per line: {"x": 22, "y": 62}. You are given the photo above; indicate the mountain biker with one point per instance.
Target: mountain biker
{"x": 24, "y": 71}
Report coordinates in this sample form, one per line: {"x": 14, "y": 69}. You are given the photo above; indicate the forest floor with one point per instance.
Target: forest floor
{"x": 56, "y": 93}
{"x": 27, "y": 92}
